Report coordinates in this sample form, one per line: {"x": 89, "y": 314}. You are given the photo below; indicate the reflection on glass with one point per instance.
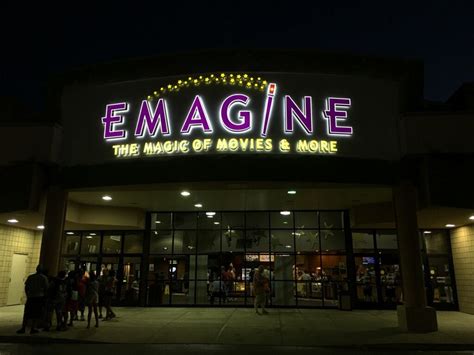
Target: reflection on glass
{"x": 185, "y": 220}
{"x": 387, "y": 240}
{"x": 208, "y": 241}
{"x": 306, "y": 220}
{"x": 331, "y": 220}
{"x": 333, "y": 241}
{"x": 184, "y": 242}
{"x": 112, "y": 243}
{"x": 90, "y": 243}
{"x": 71, "y": 243}
{"x": 161, "y": 221}
{"x": 161, "y": 242}
{"x": 437, "y": 242}
{"x": 256, "y": 220}
{"x": 439, "y": 287}
{"x": 133, "y": 243}
{"x": 362, "y": 241}
{"x": 307, "y": 240}
{"x": 257, "y": 240}
{"x": 277, "y": 220}
{"x": 282, "y": 241}
{"x": 233, "y": 240}
{"x": 233, "y": 220}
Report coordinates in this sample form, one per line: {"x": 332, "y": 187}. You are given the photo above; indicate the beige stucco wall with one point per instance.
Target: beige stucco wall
{"x": 16, "y": 240}
{"x": 462, "y": 243}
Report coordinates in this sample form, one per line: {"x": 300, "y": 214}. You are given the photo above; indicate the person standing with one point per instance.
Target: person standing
{"x": 36, "y": 288}
{"x": 261, "y": 285}
{"x": 109, "y": 293}
{"x": 59, "y": 299}
{"x": 92, "y": 299}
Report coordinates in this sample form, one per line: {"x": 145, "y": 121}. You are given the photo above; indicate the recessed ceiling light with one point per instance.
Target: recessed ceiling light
{"x": 165, "y": 248}
{"x": 449, "y": 225}
{"x": 285, "y": 222}
{"x": 70, "y": 233}
{"x": 107, "y": 198}
{"x": 92, "y": 234}
{"x": 190, "y": 247}
{"x": 12, "y": 220}
{"x": 210, "y": 214}
{"x": 288, "y": 246}
{"x": 216, "y": 222}
{"x": 156, "y": 233}
{"x": 427, "y": 232}
{"x": 185, "y": 193}
{"x": 40, "y": 227}
{"x": 285, "y": 213}
{"x": 291, "y": 192}
{"x": 198, "y": 205}
{"x": 157, "y": 222}
{"x": 471, "y": 218}
{"x": 89, "y": 237}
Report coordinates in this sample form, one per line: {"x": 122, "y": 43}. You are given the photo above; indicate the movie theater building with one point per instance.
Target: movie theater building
{"x": 329, "y": 170}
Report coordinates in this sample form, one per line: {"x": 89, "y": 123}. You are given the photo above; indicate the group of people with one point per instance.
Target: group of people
{"x": 66, "y": 296}
{"x": 222, "y": 285}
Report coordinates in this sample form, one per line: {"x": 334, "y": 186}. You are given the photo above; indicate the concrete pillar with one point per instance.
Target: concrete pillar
{"x": 56, "y": 205}
{"x": 413, "y": 315}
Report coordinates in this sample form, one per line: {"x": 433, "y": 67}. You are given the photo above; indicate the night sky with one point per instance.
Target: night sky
{"x": 40, "y": 41}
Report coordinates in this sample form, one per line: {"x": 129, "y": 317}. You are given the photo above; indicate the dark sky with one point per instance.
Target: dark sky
{"x": 39, "y": 41}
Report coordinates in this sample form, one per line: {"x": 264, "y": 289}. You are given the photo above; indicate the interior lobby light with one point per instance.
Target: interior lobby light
{"x": 198, "y": 205}
{"x": 107, "y": 198}
{"x": 291, "y": 192}
{"x": 449, "y": 225}
{"x": 92, "y": 234}
{"x": 427, "y": 232}
{"x": 12, "y": 220}
{"x": 185, "y": 193}
{"x": 89, "y": 237}
{"x": 216, "y": 222}
{"x": 157, "y": 222}
{"x": 288, "y": 246}
{"x": 40, "y": 227}
{"x": 70, "y": 233}
{"x": 211, "y": 214}
{"x": 285, "y": 213}
{"x": 471, "y": 218}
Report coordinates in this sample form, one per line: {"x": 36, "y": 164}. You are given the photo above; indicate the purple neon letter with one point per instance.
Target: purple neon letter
{"x": 246, "y": 116}
{"x": 110, "y": 120}
{"x": 303, "y": 118}
{"x": 196, "y": 116}
{"x": 336, "y": 109}
{"x": 159, "y": 119}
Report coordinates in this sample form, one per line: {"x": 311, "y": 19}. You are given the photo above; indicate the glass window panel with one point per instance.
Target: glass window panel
{"x": 184, "y": 242}
{"x": 71, "y": 243}
{"x": 333, "y": 241}
{"x": 306, "y": 220}
{"x": 233, "y": 240}
{"x": 130, "y": 289}
{"x": 308, "y": 275}
{"x": 161, "y": 241}
{"x": 233, "y": 220}
{"x": 203, "y": 292}
{"x": 365, "y": 278}
{"x": 437, "y": 242}
{"x": 283, "y": 293}
{"x": 133, "y": 243}
{"x": 334, "y": 268}
{"x": 179, "y": 271}
{"x": 390, "y": 278}
{"x": 90, "y": 243}
{"x": 307, "y": 240}
{"x": 331, "y": 220}
{"x": 161, "y": 221}
{"x": 185, "y": 220}
{"x": 207, "y": 221}
{"x": 257, "y": 240}
{"x": 282, "y": 240}
{"x": 277, "y": 220}
{"x": 158, "y": 278}
{"x": 440, "y": 285}
{"x": 362, "y": 241}
{"x": 112, "y": 243}
{"x": 209, "y": 241}
{"x": 387, "y": 240}
{"x": 256, "y": 220}
{"x": 282, "y": 267}
{"x": 89, "y": 264}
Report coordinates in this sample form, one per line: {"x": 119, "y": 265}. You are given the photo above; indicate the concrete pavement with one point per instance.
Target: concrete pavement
{"x": 360, "y": 329}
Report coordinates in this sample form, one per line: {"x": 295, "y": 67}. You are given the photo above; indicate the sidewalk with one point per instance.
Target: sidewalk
{"x": 229, "y": 326}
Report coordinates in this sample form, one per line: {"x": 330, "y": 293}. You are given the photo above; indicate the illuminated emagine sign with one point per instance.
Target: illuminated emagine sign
{"x": 245, "y": 131}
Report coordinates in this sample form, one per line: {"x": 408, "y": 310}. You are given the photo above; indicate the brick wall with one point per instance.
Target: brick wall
{"x": 462, "y": 243}
{"x": 16, "y": 240}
